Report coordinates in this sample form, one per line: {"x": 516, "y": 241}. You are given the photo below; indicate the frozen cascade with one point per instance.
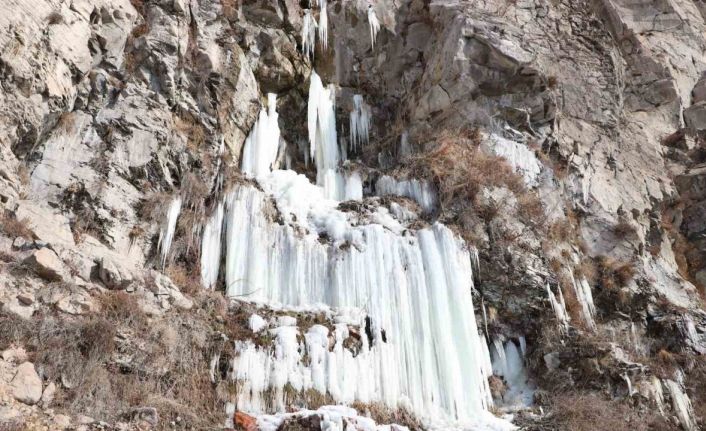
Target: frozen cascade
{"x": 308, "y": 34}
{"x": 374, "y": 25}
{"x": 166, "y": 233}
{"x": 260, "y": 149}
{"x": 323, "y": 25}
{"x": 419, "y": 191}
{"x": 508, "y": 363}
{"x": 360, "y": 123}
{"x": 211, "y": 248}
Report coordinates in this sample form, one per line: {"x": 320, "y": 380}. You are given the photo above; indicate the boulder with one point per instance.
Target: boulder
{"x": 17, "y": 355}
{"x": 113, "y": 275}
{"x": 48, "y": 395}
{"x": 47, "y": 264}
{"x": 26, "y": 386}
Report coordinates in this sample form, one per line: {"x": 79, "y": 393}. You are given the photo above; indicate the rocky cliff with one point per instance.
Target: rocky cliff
{"x": 562, "y": 141}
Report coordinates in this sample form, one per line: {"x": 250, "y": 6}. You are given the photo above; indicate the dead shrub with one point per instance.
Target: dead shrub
{"x": 461, "y": 169}
{"x": 122, "y": 307}
{"x": 384, "y": 415}
{"x": 55, "y": 18}
{"x": 14, "y": 228}
{"x": 154, "y": 207}
{"x": 192, "y": 129}
{"x": 188, "y": 281}
{"x": 613, "y": 274}
{"x": 623, "y": 230}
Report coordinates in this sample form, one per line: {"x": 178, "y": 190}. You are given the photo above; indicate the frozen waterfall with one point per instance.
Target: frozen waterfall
{"x": 323, "y": 25}
{"x": 308, "y": 34}
{"x": 166, "y": 233}
{"x": 406, "y": 293}
{"x": 419, "y": 191}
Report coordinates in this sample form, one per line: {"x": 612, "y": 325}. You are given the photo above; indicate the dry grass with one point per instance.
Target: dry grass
{"x": 188, "y": 281}
{"x": 55, "y": 18}
{"x": 586, "y": 411}
{"x": 624, "y": 229}
{"x": 192, "y": 130}
{"x": 384, "y": 415}
{"x": 14, "y": 228}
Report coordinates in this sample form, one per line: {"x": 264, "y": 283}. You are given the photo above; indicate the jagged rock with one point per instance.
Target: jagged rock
{"x": 26, "y": 386}
{"x": 62, "y": 421}
{"x": 113, "y": 275}
{"x": 164, "y": 287}
{"x": 16, "y": 307}
{"x": 145, "y": 414}
{"x": 47, "y": 265}
{"x": 47, "y": 225}
{"x": 48, "y": 395}
{"x": 25, "y": 299}
{"x": 17, "y": 355}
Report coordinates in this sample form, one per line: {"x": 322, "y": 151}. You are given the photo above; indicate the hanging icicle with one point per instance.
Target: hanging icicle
{"x": 308, "y": 34}
{"x": 323, "y": 25}
{"x": 374, "y": 25}
{"x": 359, "y": 123}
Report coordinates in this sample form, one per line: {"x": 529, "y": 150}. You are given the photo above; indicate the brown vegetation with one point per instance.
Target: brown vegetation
{"x": 384, "y": 415}
{"x": 612, "y": 273}
{"x": 14, "y": 228}
{"x": 587, "y": 411}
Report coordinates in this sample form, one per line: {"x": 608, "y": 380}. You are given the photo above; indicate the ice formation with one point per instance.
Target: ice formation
{"x": 419, "y": 191}
{"x": 406, "y": 293}
{"x": 324, "y": 146}
{"x": 521, "y": 158}
{"x": 261, "y": 146}
{"x": 508, "y": 363}
{"x": 405, "y": 148}
{"x": 166, "y": 233}
{"x": 559, "y": 307}
{"x": 374, "y": 25}
{"x": 211, "y": 248}
{"x": 360, "y": 123}
{"x": 308, "y": 34}
{"x": 256, "y": 323}
{"x": 681, "y": 405}
{"x": 585, "y": 298}
{"x": 323, "y": 25}
{"x": 334, "y": 418}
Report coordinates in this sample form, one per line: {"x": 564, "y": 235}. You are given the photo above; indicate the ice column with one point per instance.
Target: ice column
{"x": 360, "y": 123}
{"x": 166, "y": 233}
{"x": 419, "y": 191}
{"x": 261, "y": 146}
{"x": 211, "y": 248}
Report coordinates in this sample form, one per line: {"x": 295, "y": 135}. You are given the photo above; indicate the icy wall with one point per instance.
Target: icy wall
{"x": 410, "y": 290}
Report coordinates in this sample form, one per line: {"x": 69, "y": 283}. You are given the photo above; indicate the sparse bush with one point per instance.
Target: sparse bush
{"x": 120, "y": 306}
{"x": 189, "y": 282}
{"x": 14, "y": 228}
{"x": 55, "y": 18}
{"x": 623, "y": 230}
{"x": 613, "y": 274}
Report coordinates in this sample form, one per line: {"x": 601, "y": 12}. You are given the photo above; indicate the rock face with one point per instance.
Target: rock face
{"x": 111, "y": 109}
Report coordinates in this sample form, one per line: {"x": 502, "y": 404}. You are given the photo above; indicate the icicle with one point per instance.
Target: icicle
{"x": 585, "y": 298}
{"x": 323, "y": 25}
{"x": 405, "y": 148}
{"x": 308, "y": 34}
{"x": 374, "y": 25}
{"x": 628, "y": 382}
{"x": 558, "y": 307}
{"x": 508, "y": 363}
{"x": 261, "y": 145}
{"x": 166, "y": 234}
{"x": 359, "y": 123}
{"x": 211, "y": 248}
